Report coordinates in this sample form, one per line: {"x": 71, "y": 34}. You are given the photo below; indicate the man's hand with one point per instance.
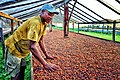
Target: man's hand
{"x": 49, "y": 57}
{"x": 51, "y": 67}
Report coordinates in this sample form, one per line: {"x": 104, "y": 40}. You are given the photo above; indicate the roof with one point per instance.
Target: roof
{"x": 81, "y": 11}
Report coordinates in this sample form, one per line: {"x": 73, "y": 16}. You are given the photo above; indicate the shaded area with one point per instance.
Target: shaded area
{"x": 80, "y": 58}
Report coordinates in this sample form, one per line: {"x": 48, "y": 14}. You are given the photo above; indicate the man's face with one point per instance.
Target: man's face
{"x": 47, "y": 16}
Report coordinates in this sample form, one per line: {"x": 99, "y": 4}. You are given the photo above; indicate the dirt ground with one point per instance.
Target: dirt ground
{"x": 80, "y": 57}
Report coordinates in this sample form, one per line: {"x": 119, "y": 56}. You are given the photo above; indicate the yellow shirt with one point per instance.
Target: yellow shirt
{"x": 18, "y": 42}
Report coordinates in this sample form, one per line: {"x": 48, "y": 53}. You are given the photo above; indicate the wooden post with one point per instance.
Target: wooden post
{"x": 12, "y": 27}
{"x": 2, "y": 38}
{"x": 78, "y": 27}
{"x": 73, "y": 26}
{"x": 113, "y": 36}
{"x": 18, "y": 23}
{"x": 103, "y": 28}
{"x": 66, "y": 29}
{"x": 50, "y": 26}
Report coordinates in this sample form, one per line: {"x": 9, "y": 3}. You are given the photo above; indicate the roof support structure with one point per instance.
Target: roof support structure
{"x": 72, "y": 11}
{"x": 92, "y": 11}
{"x": 63, "y": 2}
{"x": 60, "y": 11}
{"x": 12, "y": 26}
{"x": 73, "y": 26}
{"x": 83, "y": 15}
{"x": 84, "y": 12}
{"x": 118, "y": 1}
{"x": 36, "y": 11}
{"x": 58, "y": 3}
{"x": 109, "y": 6}
{"x": 78, "y": 27}
{"x": 113, "y": 34}
{"x": 84, "y": 20}
{"x": 9, "y": 17}
{"x": 19, "y": 5}
{"x": 66, "y": 29}
{"x": 27, "y": 14}
{"x": 29, "y": 8}
{"x": 79, "y": 19}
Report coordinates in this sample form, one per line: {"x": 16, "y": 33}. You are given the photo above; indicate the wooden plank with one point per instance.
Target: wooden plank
{"x": 6, "y": 16}
{"x": 9, "y": 17}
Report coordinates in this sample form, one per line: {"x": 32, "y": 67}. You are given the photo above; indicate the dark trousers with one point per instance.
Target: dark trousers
{"x": 20, "y": 75}
{"x": 22, "y": 68}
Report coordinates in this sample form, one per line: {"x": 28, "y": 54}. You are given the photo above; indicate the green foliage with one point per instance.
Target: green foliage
{"x": 95, "y": 34}
{"x": 6, "y": 76}
{"x": 28, "y": 69}
{"x": 3, "y": 74}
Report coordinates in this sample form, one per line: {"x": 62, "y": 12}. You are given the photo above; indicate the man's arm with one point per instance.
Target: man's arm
{"x": 35, "y": 49}
{"x": 41, "y": 43}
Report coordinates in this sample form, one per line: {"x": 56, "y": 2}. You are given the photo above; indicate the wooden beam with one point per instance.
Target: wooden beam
{"x": 66, "y": 20}
{"x": 50, "y": 26}
{"x": 6, "y": 16}
{"x": 9, "y": 17}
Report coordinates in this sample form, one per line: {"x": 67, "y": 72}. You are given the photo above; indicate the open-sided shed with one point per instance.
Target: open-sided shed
{"x": 76, "y": 11}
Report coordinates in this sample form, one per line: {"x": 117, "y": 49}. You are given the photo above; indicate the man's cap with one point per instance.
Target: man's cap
{"x": 50, "y": 8}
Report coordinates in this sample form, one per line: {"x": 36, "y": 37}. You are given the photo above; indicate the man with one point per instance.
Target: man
{"x": 29, "y": 38}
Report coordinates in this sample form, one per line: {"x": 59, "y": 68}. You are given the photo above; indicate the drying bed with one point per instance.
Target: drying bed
{"x": 80, "y": 57}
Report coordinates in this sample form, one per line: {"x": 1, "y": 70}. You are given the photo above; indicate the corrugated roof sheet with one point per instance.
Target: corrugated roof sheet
{"x": 84, "y": 10}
